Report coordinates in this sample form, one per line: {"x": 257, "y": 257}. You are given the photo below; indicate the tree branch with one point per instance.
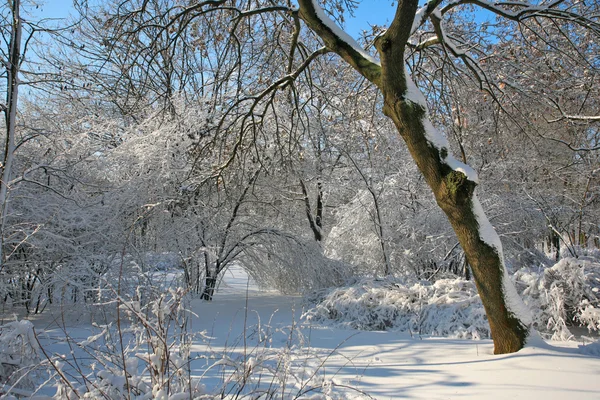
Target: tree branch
{"x": 571, "y": 117}
{"x": 339, "y": 41}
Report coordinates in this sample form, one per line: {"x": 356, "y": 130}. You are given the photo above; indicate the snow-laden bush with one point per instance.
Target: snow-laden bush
{"x": 19, "y": 356}
{"x": 582, "y": 253}
{"x": 448, "y": 307}
{"x": 567, "y": 294}
{"x": 256, "y": 370}
{"x": 145, "y": 353}
{"x": 564, "y": 295}
{"x": 293, "y": 265}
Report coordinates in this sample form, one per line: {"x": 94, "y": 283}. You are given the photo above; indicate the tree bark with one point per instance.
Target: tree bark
{"x": 454, "y": 194}
{"x": 210, "y": 284}
{"x": 453, "y": 191}
{"x": 12, "y": 95}
{"x": 316, "y": 221}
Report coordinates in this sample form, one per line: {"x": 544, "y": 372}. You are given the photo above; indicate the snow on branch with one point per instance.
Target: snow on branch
{"x": 522, "y": 10}
{"x": 423, "y": 13}
{"x": 578, "y": 118}
{"x": 343, "y": 36}
{"x": 452, "y": 47}
{"x": 339, "y": 41}
{"x": 434, "y": 137}
{"x": 564, "y": 115}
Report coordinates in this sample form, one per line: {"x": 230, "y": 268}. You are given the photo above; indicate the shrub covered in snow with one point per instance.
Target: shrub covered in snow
{"x": 293, "y": 265}
{"x": 564, "y": 295}
{"x": 146, "y": 354}
{"x": 567, "y": 294}
{"x": 448, "y": 307}
{"x": 18, "y": 357}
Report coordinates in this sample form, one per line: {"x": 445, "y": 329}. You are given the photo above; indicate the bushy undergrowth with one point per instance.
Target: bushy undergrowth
{"x": 19, "y": 357}
{"x": 563, "y": 296}
{"x": 147, "y": 354}
{"x": 448, "y": 307}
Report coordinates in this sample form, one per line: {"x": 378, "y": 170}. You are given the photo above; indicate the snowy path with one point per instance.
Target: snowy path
{"x": 384, "y": 365}
{"x": 389, "y": 365}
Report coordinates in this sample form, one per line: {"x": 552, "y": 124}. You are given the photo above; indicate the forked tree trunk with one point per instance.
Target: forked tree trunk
{"x": 453, "y": 183}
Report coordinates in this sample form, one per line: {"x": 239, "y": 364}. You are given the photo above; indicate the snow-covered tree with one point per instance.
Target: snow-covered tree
{"x": 453, "y": 182}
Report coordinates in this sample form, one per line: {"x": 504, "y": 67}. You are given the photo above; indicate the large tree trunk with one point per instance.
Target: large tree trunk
{"x": 453, "y": 185}
{"x": 454, "y": 193}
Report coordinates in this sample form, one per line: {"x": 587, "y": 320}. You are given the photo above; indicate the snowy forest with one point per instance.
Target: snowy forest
{"x": 438, "y": 176}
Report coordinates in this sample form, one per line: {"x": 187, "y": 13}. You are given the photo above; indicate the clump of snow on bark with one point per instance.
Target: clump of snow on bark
{"x": 337, "y": 31}
{"x": 463, "y": 168}
{"x": 441, "y": 143}
{"x": 487, "y": 233}
{"x": 419, "y": 19}
{"x": 415, "y": 95}
{"x": 434, "y": 137}
{"x": 448, "y": 307}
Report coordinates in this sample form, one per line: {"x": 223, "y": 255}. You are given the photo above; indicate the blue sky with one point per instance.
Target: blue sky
{"x": 369, "y": 12}
{"x": 372, "y": 12}
{"x": 55, "y": 8}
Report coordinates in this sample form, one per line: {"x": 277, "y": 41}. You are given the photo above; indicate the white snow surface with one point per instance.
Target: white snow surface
{"x": 383, "y": 365}
{"x": 341, "y": 34}
{"x": 392, "y": 365}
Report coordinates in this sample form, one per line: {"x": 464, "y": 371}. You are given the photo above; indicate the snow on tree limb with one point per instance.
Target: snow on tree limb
{"x": 342, "y": 35}
{"x": 423, "y": 13}
{"x": 488, "y": 235}
{"x": 434, "y": 137}
{"x": 564, "y": 115}
{"x": 339, "y": 41}
{"x": 522, "y": 10}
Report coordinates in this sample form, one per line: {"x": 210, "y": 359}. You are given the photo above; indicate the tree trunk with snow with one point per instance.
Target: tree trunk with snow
{"x": 210, "y": 284}
{"x": 453, "y": 183}
{"x": 10, "y": 111}
{"x": 454, "y": 193}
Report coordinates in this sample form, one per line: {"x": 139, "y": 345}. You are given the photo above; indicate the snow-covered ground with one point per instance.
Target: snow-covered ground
{"x": 389, "y": 365}
{"x": 264, "y": 330}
